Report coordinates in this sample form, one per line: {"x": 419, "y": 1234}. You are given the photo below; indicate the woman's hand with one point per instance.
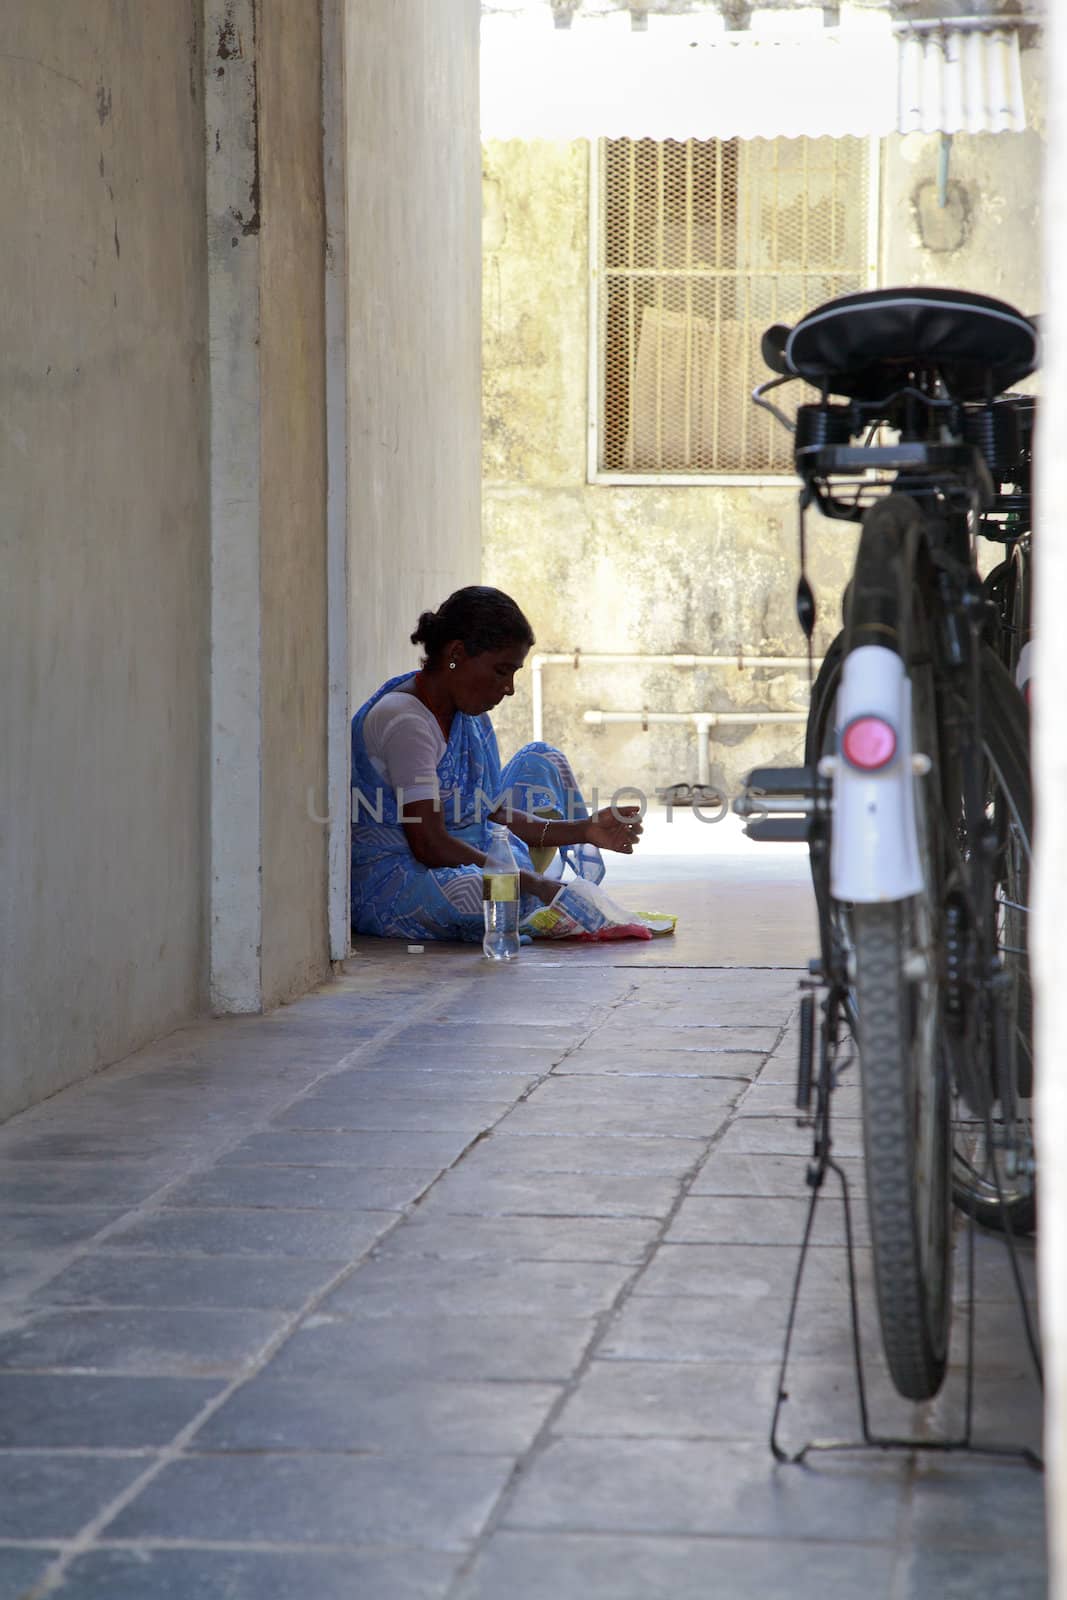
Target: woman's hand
{"x": 615, "y": 828}
{"x": 546, "y": 889}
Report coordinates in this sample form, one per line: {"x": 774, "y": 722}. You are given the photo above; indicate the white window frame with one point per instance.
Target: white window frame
{"x": 668, "y": 480}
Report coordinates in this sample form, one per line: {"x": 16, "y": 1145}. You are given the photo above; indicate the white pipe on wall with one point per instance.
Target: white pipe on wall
{"x": 741, "y": 661}
{"x": 702, "y": 721}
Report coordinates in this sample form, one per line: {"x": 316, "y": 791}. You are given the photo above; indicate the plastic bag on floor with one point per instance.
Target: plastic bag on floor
{"x": 581, "y": 910}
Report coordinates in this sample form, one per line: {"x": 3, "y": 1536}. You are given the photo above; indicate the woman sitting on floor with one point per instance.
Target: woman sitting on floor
{"x": 427, "y": 782}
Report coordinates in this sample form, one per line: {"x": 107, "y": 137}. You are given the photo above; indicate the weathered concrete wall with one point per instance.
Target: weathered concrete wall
{"x": 987, "y": 237}
{"x": 295, "y": 949}
{"x": 103, "y": 526}
{"x": 619, "y": 568}
{"x": 414, "y": 318}
{"x": 689, "y": 569}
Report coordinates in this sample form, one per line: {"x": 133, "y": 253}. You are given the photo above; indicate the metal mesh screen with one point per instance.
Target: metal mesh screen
{"x": 704, "y": 243}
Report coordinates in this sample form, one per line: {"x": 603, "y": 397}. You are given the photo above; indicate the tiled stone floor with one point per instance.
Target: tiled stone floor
{"x": 450, "y": 1283}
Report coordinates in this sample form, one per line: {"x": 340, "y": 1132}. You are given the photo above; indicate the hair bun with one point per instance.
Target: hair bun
{"x": 424, "y": 627}
{"x": 479, "y": 617}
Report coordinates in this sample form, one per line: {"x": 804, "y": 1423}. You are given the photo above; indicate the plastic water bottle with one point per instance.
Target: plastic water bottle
{"x": 500, "y": 897}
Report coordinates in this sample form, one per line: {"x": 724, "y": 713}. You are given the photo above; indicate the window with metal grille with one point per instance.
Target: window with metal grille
{"x": 703, "y": 243}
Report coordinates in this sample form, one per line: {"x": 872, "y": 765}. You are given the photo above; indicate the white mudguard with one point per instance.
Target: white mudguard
{"x": 1024, "y": 670}
{"x": 874, "y": 848}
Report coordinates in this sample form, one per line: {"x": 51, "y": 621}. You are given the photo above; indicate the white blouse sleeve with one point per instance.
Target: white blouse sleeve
{"x": 405, "y": 745}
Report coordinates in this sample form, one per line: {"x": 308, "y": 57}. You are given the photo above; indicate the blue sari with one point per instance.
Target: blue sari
{"x": 395, "y": 896}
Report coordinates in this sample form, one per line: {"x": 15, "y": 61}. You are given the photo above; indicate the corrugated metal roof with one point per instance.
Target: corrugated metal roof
{"x": 960, "y": 80}
{"x": 683, "y": 79}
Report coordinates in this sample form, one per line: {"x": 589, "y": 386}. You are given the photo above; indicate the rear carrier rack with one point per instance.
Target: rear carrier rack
{"x": 990, "y": 442}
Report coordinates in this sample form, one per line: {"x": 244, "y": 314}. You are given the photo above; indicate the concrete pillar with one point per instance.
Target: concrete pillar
{"x": 270, "y": 625}
{"x": 236, "y": 898}
{"x": 1051, "y": 774}
{"x": 339, "y": 757}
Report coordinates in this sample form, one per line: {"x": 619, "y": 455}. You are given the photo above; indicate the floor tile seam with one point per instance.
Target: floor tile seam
{"x": 578, "y": 1172}
{"x": 485, "y": 1133}
{"x": 316, "y": 1166}
{"x": 250, "y": 1209}
{"x": 605, "y": 1133}
{"x": 732, "y": 1437}
{"x": 678, "y": 1077}
{"x": 73, "y": 1452}
{"x": 757, "y": 1538}
{"x": 146, "y": 1207}
{"x": 87, "y": 1536}
{"x": 106, "y": 1308}
{"x": 747, "y": 1194}
{"x": 607, "y": 1010}
{"x": 703, "y": 1536}
{"x": 307, "y": 1308}
{"x": 613, "y": 1536}
{"x": 430, "y": 1255}
{"x": 85, "y": 1540}
{"x": 732, "y": 1026}
{"x": 507, "y": 1108}
{"x": 410, "y": 1457}
{"x": 698, "y": 966}
{"x": 694, "y": 1050}
{"x": 825, "y": 1295}
{"x": 223, "y": 1373}
{"x": 762, "y": 1244}
{"x": 772, "y": 1115}
{"x": 535, "y": 1134}
{"x": 601, "y": 1325}
{"x": 109, "y": 1306}
{"x": 467, "y": 1067}
{"x": 68, "y": 1162}
{"x": 904, "y": 1543}
{"x": 960, "y": 1543}
{"x": 152, "y": 1542}
{"x": 359, "y": 1127}
{"x": 534, "y": 1261}
{"x": 680, "y": 1361}
{"x": 552, "y": 1216}
{"x": 245, "y": 1210}
{"x": 783, "y": 1034}
{"x": 754, "y": 1244}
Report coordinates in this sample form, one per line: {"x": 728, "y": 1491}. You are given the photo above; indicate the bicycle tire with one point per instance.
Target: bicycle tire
{"x": 999, "y": 1194}
{"x": 905, "y": 1082}
{"x": 911, "y": 1330}
{"x": 907, "y": 1177}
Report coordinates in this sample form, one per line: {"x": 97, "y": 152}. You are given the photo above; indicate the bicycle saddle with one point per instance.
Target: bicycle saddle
{"x": 864, "y": 345}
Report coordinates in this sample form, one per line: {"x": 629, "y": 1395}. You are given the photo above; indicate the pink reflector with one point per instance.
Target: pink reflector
{"x": 869, "y": 742}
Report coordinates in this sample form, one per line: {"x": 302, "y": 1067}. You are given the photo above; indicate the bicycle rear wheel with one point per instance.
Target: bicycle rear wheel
{"x": 993, "y": 1159}
{"x": 895, "y": 996}
{"x": 907, "y": 1123}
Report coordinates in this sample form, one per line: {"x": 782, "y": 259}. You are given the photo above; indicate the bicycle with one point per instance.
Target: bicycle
{"x": 915, "y": 796}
